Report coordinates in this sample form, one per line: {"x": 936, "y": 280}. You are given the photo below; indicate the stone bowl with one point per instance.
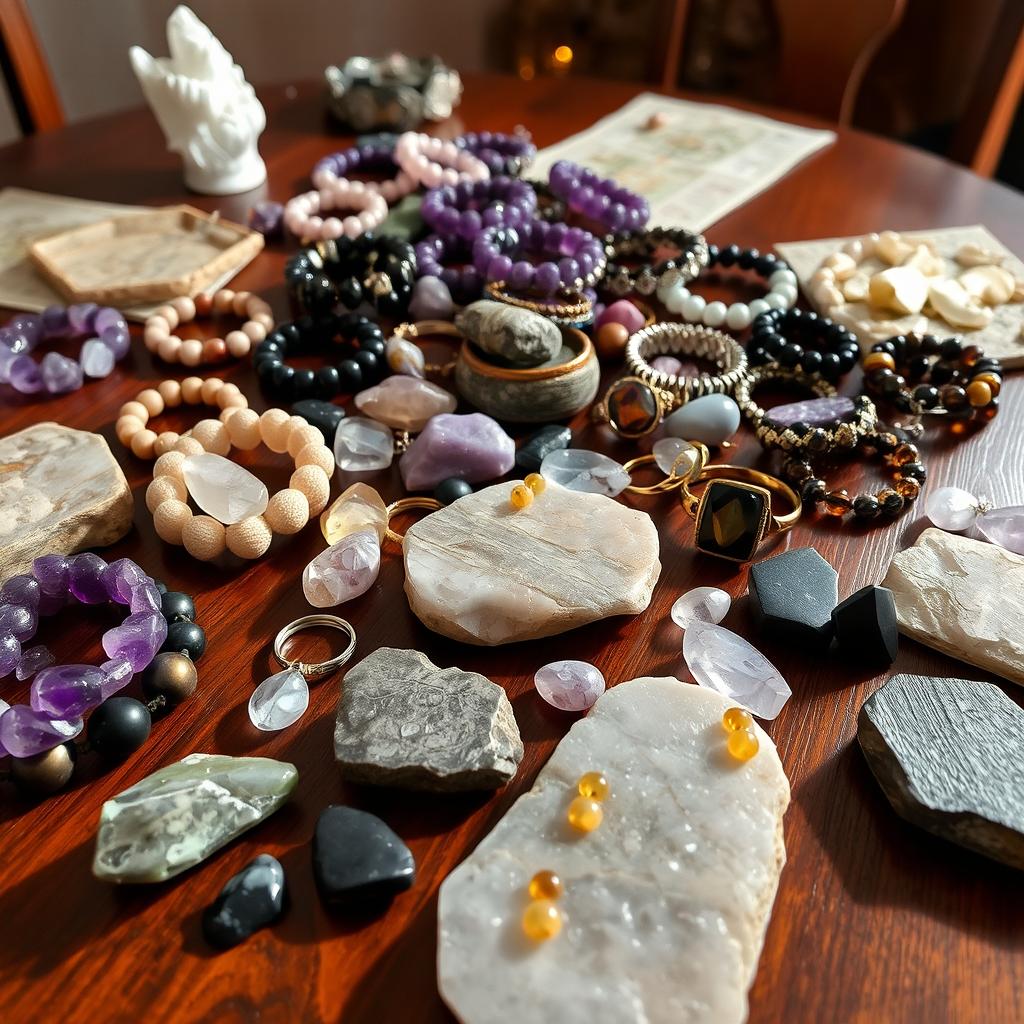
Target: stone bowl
{"x": 554, "y": 390}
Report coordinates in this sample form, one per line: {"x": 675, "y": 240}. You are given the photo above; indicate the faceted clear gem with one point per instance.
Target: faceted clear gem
{"x": 279, "y": 701}
{"x": 723, "y": 661}
{"x": 951, "y": 508}
{"x": 404, "y": 357}
{"x": 674, "y": 456}
{"x": 358, "y": 507}
{"x": 97, "y": 358}
{"x": 67, "y": 691}
{"x": 344, "y": 571}
{"x": 473, "y": 448}
{"x": 34, "y": 660}
{"x": 361, "y": 445}
{"x": 815, "y": 411}
{"x": 223, "y": 489}
{"x": 569, "y": 685}
{"x": 711, "y": 419}
{"x": 1003, "y": 526}
{"x": 137, "y": 639}
{"x": 60, "y": 374}
{"x": 577, "y": 469}
{"x": 24, "y": 732}
{"x": 702, "y": 604}
{"x": 404, "y": 403}
{"x": 179, "y": 815}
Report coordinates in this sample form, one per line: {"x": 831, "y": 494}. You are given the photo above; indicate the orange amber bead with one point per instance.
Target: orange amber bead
{"x": 878, "y": 361}
{"x": 585, "y": 814}
{"x": 542, "y": 920}
{"x": 545, "y": 885}
{"x": 993, "y": 380}
{"x": 903, "y": 454}
{"x": 735, "y": 719}
{"x": 978, "y": 393}
{"x": 908, "y": 489}
{"x": 742, "y": 744}
{"x": 594, "y": 785}
{"x": 521, "y": 496}
{"x": 838, "y": 503}
{"x": 536, "y": 483}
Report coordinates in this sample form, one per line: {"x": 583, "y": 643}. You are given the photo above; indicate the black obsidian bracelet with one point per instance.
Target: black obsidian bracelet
{"x": 355, "y": 341}
{"x": 346, "y": 272}
{"x": 643, "y": 275}
{"x": 799, "y": 340}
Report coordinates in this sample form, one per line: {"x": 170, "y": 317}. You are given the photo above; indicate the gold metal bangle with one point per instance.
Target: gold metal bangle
{"x": 407, "y": 505}
{"x": 674, "y": 478}
{"x": 585, "y": 352}
{"x": 583, "y": 307}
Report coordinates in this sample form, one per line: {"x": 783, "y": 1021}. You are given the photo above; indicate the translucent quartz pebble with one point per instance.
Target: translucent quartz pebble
{"x": 34, "y": 660}
{"x": 223, "y": 489}
{"x": 97, "y": 358}
{"x": 723, "y": 661}
{"x": 279, "y": 701}
{"x": 674, "y": 455}
{"x": 1004, "y": 527}
{"x": 358, "y": 507}
{"x": 951, "y": 508}
{"x": 569, "y": 685}
{"x": 667, "y": 364}
{"x": 404, "y": 357}
{"x": 67, "y": 691}
{"x": 702, "y": 604}
{"x": 24, "y": 732}
{"x": 404, "y": 403}
{"x": 344, "y": 571}
{"x": 815, "y": 411}
{"x": 361, "y": 445}
{"x": 577, "y": 469}
{"x": 711, "y": 419}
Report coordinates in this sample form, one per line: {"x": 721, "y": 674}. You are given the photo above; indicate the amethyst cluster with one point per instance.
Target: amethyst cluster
{"x": 107, "y": 341}
{"x": 61, "y": 694}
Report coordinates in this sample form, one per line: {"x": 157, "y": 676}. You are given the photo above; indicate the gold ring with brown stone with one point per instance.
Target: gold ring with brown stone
{"x": 632, "y": 407}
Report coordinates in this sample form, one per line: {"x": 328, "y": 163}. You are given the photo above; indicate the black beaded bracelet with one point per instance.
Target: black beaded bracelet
{"x": 356, "y": 338}
{"x": 643, "y": 275}
{"x": 801, "y": 340}
{"x": 377, "y": 269}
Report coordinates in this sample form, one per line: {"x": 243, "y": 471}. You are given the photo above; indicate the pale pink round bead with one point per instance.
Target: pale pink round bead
{"x": 191, "y": 352}
{"x": 238, "y": 343}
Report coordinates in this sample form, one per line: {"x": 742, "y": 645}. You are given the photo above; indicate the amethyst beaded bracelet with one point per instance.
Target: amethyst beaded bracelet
{"x": 503, "y": 154}
{"x": 464, "y": 282}
{"x": 600, "y": 199}
{"x": 467, "y": 208}
{"x": 576, "y": 258}
{"x": 108, "y": 341}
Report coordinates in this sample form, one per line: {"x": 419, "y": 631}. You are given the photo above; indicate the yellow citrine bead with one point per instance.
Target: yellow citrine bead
{"x": 742, "y": 744}
{"x": 521, "y": 496}
{"x": 585, "y": 814}
{"x": 735, "y": 719}
{"x": 536, "y": 483}
{"x": 594, "y": 785}
{"x": 545, "y": 885}
{"x": 542, "y": 920}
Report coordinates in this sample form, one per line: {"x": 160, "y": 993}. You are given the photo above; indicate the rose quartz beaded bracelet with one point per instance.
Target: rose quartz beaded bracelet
{"x": 286, "y": 512}
{"x": 132, "y": 427}
{"x": 194, "y": 352}
{"x": 431, "y": 162}
{"x": 304, "y": 214}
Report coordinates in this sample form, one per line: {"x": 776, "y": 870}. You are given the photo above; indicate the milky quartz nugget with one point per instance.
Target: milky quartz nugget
{"x": 951, "y": 508}
{"x": 279, "y": 701}
{"x": 569, "y": 685}
{"x": 577, "y": 469}
{"x": 362, "y": 445}
{"x": 225, "y": 490}
{"x": 702, "y": 604}
{"x": 404, "y": 403}
{"x": 344, "y": 571}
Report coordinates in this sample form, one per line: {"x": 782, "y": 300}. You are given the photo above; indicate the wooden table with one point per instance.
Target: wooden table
{"x": 874, "y": 920}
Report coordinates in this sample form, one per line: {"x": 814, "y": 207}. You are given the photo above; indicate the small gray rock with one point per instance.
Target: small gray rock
{"x": 949, "y": 756}
{"x": 402, "y": 721}
{"x": 519, "y": 336}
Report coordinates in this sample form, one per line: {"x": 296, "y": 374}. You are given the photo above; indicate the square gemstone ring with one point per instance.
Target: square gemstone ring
{"x": 732, "y": 519}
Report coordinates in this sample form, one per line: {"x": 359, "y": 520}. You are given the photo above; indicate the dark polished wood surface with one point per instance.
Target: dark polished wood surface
{"x": 875, "y": 921}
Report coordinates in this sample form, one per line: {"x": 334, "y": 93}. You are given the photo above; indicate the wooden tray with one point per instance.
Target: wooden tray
{"x": 144, "y": 257}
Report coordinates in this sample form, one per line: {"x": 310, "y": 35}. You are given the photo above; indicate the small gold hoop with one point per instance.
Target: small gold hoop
{"x": 315, "y": 670}
{"x": 407, "y": 505}
{"x": 674, "y": 479}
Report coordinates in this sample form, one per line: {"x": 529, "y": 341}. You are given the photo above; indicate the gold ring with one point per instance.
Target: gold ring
{"x": 406, "y": 505}
{"x": 430, "y": 329}
{"x": 674, "y": 478}
{"x": 314, "y": 670}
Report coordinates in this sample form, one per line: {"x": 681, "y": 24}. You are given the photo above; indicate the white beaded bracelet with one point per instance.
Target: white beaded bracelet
{"x": 432, "y": 162}
{"x": 303, "y": 214}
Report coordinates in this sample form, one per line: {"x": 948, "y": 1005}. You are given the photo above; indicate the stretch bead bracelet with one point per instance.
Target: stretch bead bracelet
{"x": 467, "y": 208}
{"x": 431, "y": 162}
{"x": 371, "y": 156}
{"x": 921, "y": 375}
{"x": 287, "y": 512}
{"x": 107, "y": 342}
{"x": 502, "y": 154}
{"x": 622, "y": 279}
{"x": 578, "y": 263}
{"x": 600, "y": 199}
{"x": 192, "y": 352}
{"x": 463, "y": 280}
{"x": 305, "y": 214}
{"x": 132, "y": 423}
{"x": 692, "y": 308}
{"x": 804, "y": 341}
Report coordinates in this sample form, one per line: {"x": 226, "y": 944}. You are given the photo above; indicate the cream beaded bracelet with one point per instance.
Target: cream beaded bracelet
{"x": 304, "y": 214}
{"x": 170, "y": 348}
{"x": 232, "y": 491}
{"x": 132, "y": 427}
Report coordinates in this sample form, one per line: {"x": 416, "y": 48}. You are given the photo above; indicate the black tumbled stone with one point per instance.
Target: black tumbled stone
{"x": 793, "y": 594}
{"x": 358, "y": 862}
{"x": 251, "y": 900}
{"x": 541, "y": 443}
{"x": 866, "y": 628}
{"x": 325, "y": 416}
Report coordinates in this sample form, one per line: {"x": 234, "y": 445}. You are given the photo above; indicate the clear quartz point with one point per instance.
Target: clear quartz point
{"x": 702, "y": 604}
{"x": 1003, "y": 526}
{"x": 279, "y": 701}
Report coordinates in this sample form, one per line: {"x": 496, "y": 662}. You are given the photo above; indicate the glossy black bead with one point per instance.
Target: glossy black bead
{"x": 772, "y": 343}
{"x": 728, "y": 256}
{"x": 371, "y": 366}
{"x": 318, "y": 294}
{"x": 914, "y": 471}
{"x": 350, "y": 375}
{"x": 951, "y": 348}
{"x": 281, "y": 380}
{"x": 119, "y": 726}
{"x": 987, "y": 365}
{"x": 176, "y": 606}
{"x": 789, "y": 355}
{"x": 451, "y": 490}
{"x": 328, "y": 382}
{"x": 758, "y": 356}
{"x": 374, "y": 345}
{"x": 303, "y": 384}
{"x": 918, "y": 367}
{"x": 892, "y": 503}
{"x": 847, "y": 360}
{"x": 884, "y": 346}
{"x": 929, "y": 344}
{"x": 866, "y": 506}
{"x": 926, "y": 396}
{"x": 291, "y": 334}
{"x": 747, "y": 258}
{"x": 830, "y": 366}
{"x": 350, "y": 292}
{"x": 160, "y": 586}
{"x": 800, "y": 428}
{"x": 187, "y": 637}
{"x": 811, "y": 362}
{"x": 893, "y": 384}
{"x": 767, "y": 264}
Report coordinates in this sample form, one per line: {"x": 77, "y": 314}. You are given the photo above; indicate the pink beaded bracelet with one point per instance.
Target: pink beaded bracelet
{"x": 303, "y": 214}
{"x": 431, "y": 161}
{"x": 192, "y": 352}
{"x": 391, "y": 191}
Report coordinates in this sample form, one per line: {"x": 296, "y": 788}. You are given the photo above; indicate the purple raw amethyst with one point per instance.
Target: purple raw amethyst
{"x": 117, "y": 674}
{"x": 25, "y": 375}
{"x": 107, "y": 316}
{"x": 10, "y": 653}
{"x": 265, "y": 217}
{"x": 117, "y": 339}
{"x": 85, "y": 578}
{"x": 22, "y": 589}
{"x": 7, "y": 360}
{"x": 60, "y": 374}
{"x": 29, "y": 326}
{"x": 120, "y": 577}
{"x": 814, "y": 411}
{"x": 137, "y": 639}
{"x": 17, "y": 620}
{"x": 82, "y": 316}
{"x": 67, "y": 691}
{"x": 51, "y": 571}
{"x": 55, "y": 321}
{"x": 15, "y": 340}
{"x": 34, "y": 660}
{"x": 24, "y": 732}
{"x": 472, "y": 447}
{"x": 144, "y": 598}
{"x": 96, "y": 358}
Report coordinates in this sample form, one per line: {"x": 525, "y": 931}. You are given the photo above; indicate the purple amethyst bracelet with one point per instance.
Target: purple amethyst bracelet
{"x": 373, "y": 156}
{"x": 467, "y": 208}
{"x": 464, "y": 282}
{"x": 601, "y": 199}
{"x": 108, "y": 341}
{"x": 503, "y": 154}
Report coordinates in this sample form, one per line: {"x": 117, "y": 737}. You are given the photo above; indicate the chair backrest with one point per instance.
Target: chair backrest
{"x": 26, "y": 72}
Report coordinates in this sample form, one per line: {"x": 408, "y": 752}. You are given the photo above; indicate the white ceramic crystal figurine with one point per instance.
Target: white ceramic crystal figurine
{"x": 207, "y": 110}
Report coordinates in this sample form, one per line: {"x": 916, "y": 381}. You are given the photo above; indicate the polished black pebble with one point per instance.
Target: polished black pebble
{"x": 176, "y": 607}
{"x": 792, "y": 595}
{"x": 866, "y": 628}
{"x": 358, "y": 862}
{"x": 540, "y": 443}
{"x": 451, "y": 490}
{"x": 119, "y": 726}
{"x": 325, "y": 416}
{"x": 185, "y": 636}
{"x": 251, "y": 900}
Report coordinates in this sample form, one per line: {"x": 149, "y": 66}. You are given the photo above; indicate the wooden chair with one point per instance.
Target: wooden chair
{"x": 26, "y": 71}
